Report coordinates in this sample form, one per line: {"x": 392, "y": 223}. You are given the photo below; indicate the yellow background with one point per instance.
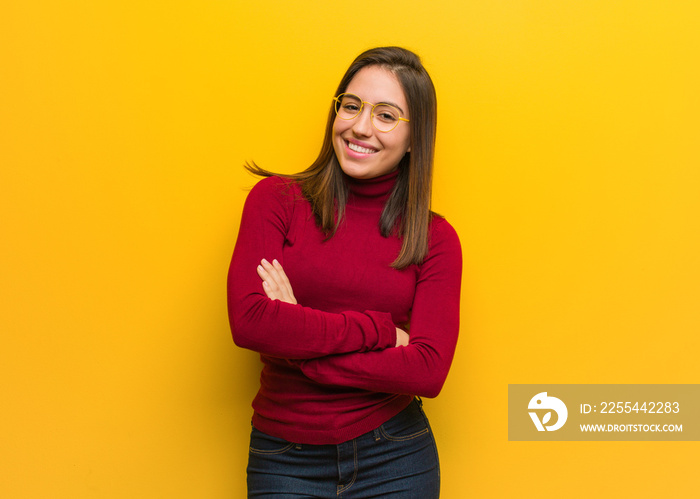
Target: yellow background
{"x": 567, "y": 161}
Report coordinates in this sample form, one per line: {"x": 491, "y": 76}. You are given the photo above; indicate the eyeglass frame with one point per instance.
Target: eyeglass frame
{"x": 372, "y": 115}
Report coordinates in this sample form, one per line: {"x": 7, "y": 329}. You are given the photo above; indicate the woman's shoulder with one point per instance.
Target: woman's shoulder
{"x": 439, "y": 226}
{"x": 275, "y": 184}
{"x": 443, "y": 236}
{"x": 275, "y": 188}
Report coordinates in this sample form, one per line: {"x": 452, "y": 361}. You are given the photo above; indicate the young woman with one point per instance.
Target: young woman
{"x": 348, "y": 286}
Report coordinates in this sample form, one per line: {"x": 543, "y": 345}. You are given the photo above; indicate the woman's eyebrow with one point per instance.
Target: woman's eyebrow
{"x": 391, "y": 104}
{"x": 380, "y": 103}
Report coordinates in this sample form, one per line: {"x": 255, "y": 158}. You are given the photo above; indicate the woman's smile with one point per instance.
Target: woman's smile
{"x": 353, "y": 146}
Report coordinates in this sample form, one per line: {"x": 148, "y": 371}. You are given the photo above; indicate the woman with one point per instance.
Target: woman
{"x": 348, "y": 286}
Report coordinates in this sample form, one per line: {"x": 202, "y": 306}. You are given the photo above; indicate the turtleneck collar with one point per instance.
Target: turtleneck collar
{"x": 378, "y": 188}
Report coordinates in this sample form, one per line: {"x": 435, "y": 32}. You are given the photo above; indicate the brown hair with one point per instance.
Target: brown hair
{"x": 407, "y": 212}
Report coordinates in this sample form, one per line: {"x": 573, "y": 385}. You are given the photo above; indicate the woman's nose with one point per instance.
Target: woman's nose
{"x": 362, "y": 124}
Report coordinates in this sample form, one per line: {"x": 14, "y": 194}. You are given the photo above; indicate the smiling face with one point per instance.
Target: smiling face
{"x": 363, "y": 151}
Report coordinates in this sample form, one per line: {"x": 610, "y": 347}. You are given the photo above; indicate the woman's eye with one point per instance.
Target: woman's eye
{"x": 386, "y": 117}
{"x": 351, "y": 107}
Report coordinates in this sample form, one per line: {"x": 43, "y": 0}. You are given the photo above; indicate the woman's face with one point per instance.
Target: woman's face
{"x": 363, "y": 151}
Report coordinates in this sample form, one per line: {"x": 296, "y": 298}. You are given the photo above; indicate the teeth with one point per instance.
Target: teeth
{"x": 363, "y": 150}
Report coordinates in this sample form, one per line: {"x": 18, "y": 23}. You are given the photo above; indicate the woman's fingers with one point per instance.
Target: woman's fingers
{"x": 275, "y": 282}
{"x": 271, "y": 280}
{"x": 269, "y": 285}
{"x": 283, "y": 280}
{"x": 402, "y": 337}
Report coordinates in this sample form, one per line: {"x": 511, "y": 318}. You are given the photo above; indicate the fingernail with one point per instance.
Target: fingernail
{"x": 260, "y": 267}
{"x": 265, "y": 261}
{"x": 275, "y": 261}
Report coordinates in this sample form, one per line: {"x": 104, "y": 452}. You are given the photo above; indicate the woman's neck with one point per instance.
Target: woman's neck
{"x": 377, "y": 189}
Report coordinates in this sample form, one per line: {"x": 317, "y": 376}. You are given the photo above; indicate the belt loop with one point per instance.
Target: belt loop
{"x": 419, "y": 400}
{"x": 376, "y": 435}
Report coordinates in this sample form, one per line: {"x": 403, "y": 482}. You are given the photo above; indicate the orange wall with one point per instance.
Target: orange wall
{"x": 567, "y": 161}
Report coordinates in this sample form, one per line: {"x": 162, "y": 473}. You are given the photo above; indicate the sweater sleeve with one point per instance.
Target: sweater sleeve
{"x": 421, "y": 367}
{"x": 281, "y": 329}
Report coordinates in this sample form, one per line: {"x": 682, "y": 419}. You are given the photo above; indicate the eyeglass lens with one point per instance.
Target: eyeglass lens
{"x": 385, "y": 117}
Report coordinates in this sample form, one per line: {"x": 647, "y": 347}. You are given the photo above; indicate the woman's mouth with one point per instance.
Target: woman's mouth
{"x": 360, "y": 149}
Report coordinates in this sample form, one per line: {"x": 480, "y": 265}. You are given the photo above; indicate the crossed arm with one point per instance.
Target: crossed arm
{"x": 419, "y": 363}
{"x": 276, "y": 286}
{"x": 351, "y": 349}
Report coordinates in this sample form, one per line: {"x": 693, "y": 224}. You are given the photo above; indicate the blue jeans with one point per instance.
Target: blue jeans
{"x": 397, "y": 460}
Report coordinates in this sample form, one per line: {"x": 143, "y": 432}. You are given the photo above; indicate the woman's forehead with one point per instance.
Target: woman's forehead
{"x": 377, "y": 85}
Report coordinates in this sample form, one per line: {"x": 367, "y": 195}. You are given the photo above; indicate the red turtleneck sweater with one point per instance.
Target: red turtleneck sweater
{"x": 331, "y": 371}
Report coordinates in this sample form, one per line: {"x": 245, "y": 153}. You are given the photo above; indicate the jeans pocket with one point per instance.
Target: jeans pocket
{"x": 262, "y": 443}
{"x": 406, "y": 425}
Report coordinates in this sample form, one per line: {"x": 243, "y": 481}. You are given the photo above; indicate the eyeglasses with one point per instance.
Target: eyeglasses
{"x": 385, "y": 117}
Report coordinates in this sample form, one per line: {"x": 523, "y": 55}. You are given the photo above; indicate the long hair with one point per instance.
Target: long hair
{"x": 407, "y": 211}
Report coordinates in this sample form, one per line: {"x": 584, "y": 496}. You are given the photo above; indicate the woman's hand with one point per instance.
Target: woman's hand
{"x": 401, "y": 338}
{"x": 275, "y": 282}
